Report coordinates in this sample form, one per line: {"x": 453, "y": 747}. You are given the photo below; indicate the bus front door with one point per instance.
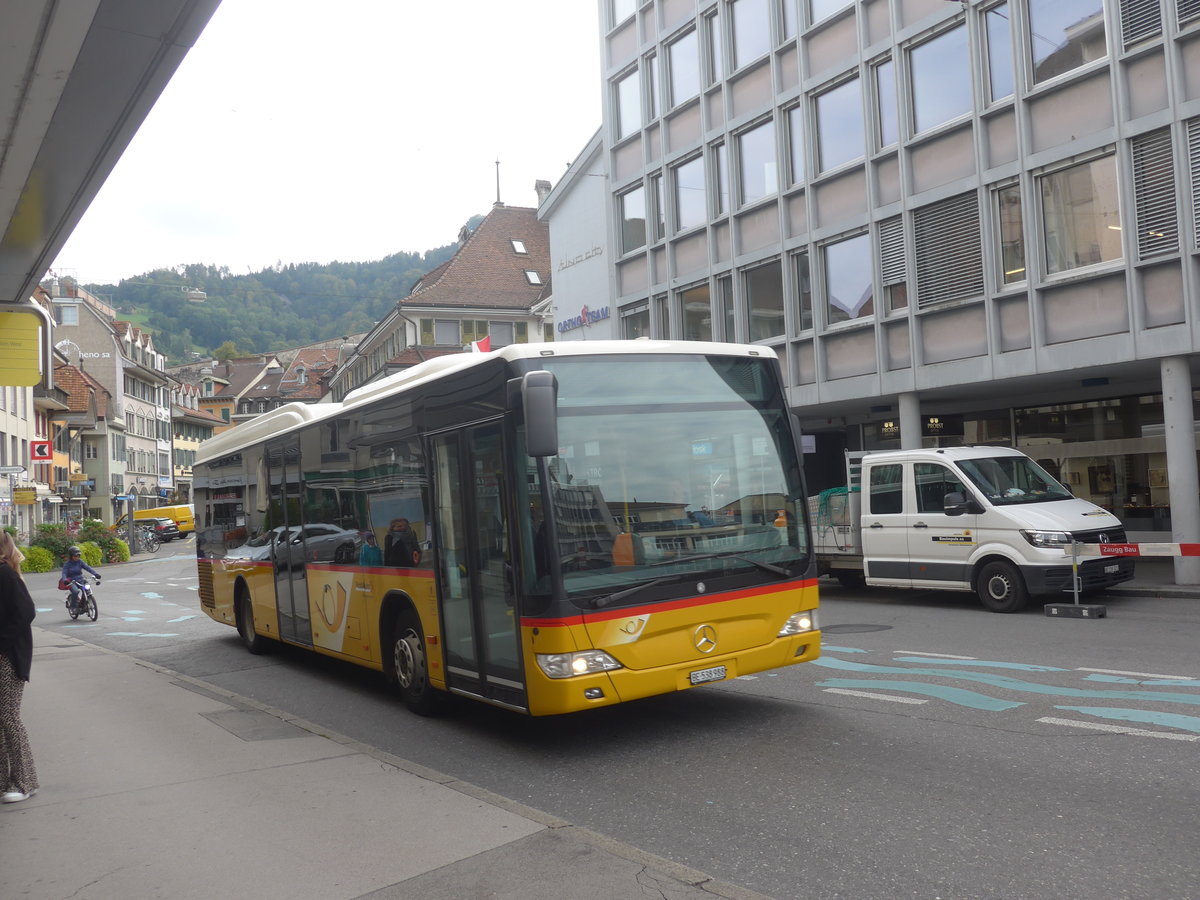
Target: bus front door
{"x": 482, "y": 649}
{"x": 287, "y": 544}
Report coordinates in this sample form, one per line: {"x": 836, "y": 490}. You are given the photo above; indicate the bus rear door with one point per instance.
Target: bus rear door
{"x": 287, "y": 548}
{"x": 480, "y": 634}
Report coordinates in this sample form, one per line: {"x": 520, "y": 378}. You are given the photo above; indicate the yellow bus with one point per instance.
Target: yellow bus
{"x": 546, "y": 527}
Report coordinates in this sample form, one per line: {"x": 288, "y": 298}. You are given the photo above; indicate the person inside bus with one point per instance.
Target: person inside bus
{"x": 370, "y": 554}
{"x": 400, "y": 546}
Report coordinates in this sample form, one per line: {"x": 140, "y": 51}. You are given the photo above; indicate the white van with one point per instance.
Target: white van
{"x": 982, "y": 519}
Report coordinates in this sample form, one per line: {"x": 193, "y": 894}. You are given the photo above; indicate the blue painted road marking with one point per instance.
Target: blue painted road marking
{"x": 957, "y": 696}
{"x": 1166, "y": 720}
{"x": 984, "y": 663}
{"x": 826, "y": 648}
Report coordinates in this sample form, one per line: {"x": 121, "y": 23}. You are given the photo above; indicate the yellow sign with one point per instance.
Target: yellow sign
{"x": 20, "y": 332}
{"x": 24, "y": 496}
{"x": 78, "y": 476}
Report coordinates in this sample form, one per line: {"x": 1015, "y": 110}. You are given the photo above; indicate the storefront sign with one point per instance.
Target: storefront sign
{"x": 586, "y": 317}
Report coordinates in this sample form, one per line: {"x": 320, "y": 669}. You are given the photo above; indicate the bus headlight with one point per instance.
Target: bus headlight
{"x": 583, "y": 662}
{"x": 800, "y": 623}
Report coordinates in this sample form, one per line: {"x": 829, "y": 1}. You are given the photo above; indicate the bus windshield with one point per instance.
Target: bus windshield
{"x": 1011, "y": 480}
{"x": 668, "y": 472}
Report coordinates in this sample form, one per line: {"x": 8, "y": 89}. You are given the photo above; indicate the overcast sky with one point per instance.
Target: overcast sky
{"x": 309, "y": 131}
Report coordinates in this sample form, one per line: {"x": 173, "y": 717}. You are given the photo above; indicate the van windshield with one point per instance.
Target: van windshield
{"x": 1010, "y": 480}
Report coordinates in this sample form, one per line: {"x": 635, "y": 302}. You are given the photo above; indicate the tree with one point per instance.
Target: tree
{"x": 226, "y": 352}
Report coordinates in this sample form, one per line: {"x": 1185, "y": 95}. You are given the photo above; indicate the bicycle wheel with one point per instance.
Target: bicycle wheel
{"x": 150, "y": 542}
{"x": 92, "y": 610}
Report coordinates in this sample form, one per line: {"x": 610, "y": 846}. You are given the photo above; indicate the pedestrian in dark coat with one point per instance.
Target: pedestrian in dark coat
{"x": 18, "y": 777}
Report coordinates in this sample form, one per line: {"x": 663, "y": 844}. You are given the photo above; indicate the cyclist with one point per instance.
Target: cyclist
{"x": 72, "y": 570}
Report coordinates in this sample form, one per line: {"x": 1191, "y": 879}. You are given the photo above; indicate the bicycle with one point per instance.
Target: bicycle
{"x": 148, "y": 541}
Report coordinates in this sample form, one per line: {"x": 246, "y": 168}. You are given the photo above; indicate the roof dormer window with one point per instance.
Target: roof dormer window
{"x": 519, "y": 247}
{"x": 532, "y": 277}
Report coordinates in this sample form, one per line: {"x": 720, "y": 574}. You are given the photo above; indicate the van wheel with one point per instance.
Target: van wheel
{"x": 410, "y": 666}
{"x": 244, "y": 614}
{"x": 1001, "y": 588}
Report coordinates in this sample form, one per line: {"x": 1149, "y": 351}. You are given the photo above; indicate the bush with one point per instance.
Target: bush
{"x": 118, "y": 552}
{"x": 37, "y": 559}
{"x": 90, "y": 553}
{"x": 91, "y": 530}
{"x": 54, "y": 538}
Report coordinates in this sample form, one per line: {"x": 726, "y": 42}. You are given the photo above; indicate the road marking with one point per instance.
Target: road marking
{"x": 957, "y": 696}
{"x": 941, "y": 655}
{"x": 137, "y": 634}
{"x": 134, "y": 612}
{"x": 151, "y": 595}
{"x": 1137, "y": 674}
{"x": 1118, "y": 729}
{"x": 827, "y": 648}
{"x": 1145, "y": 716}
{"x": 982, "y": 663}
{"x": 180, "y": 619}
{"x": 871, "y": 696}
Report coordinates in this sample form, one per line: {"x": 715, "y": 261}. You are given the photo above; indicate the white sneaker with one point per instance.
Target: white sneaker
{"x": 16, "y": 796}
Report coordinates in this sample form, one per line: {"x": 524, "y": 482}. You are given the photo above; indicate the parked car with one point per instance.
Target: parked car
{"x": 166, "y": 529}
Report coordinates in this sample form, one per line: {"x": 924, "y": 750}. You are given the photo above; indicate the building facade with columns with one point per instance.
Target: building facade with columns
{"x": 956, "y": 222}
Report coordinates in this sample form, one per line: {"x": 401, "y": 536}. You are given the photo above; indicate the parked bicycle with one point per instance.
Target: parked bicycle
{"x": 147, "y": 540}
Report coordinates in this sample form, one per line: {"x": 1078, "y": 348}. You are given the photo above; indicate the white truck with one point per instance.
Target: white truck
{"x": 982, "y": 519}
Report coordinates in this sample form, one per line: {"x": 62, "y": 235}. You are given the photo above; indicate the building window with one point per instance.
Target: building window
{"x": 627, "y": 94}
{"x": 1193, "y": 162}
{"x": 67, "y": 314}
{"x": 1140, "y": 21}
{"x": 823, "y": 9}
{"x": 721, "y": 200}
{"x": 532, "y": 277}
{"x": 756, "y": 162}
{"x": 652, "y": 85}
{"x": 1081, "y": 217}
{"x": 501, "y": 334}
{"x": 697, "y": 314}
{"x": 1064, "y": 35}
{"x": 521, "y": 332}
{"x": 892, "y": 269}
{"x": 473, "y": 330}
{"x": 949, "y": 250}
{"x": 91, "y": 451}
{"x": 519, "y": 247}
{"x": 849, "y": 291}
{"x": 622, "y": 10}
{"x": 712, "y": 30}
{"x": 633, "y": 219}
{"x": 795, "y": 120}
{"x": 940, "y": 70}
{"x": 1188, "y": 11}
{"x": 446, "y": 333}
{"x": 998, "y": 22}
{"x": 725, "y": 298}
{"x": 1011, "y": 234}
{"x": 764, "y": 301}
{"x": 751, "y": 30}
{"x": 690, "y": 208}
{"x": 804, "y": 318}
{"x": 635, "y": 322}
{"x": 683, "y": 58}
{"x": 548, "y": 332}
{"x": 660, "y": 209}
{"x": 1154, "y": 194}
{"x": 887, "y": 118}
{"x": 840, "y": 125}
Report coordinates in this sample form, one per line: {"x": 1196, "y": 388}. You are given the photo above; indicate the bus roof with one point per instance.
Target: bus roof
{"x": 294, "y": 415}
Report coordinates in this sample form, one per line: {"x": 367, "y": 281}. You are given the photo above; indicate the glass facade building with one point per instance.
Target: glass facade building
{"x": 956, "y": 222}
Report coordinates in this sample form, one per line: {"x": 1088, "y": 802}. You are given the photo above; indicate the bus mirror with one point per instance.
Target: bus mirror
{"x": 539, "y": 397}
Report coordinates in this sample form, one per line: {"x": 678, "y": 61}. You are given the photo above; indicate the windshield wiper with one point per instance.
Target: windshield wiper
{"x": 609, "y": 599}
{"x": 765, "y": 566}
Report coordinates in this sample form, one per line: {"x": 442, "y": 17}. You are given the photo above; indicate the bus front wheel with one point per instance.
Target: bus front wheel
{"x": 1001, "y": 588}
{"x": 410, "y": 666}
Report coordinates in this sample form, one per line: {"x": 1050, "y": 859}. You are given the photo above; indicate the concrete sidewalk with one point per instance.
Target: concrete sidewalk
{"x": 154, "y": 784}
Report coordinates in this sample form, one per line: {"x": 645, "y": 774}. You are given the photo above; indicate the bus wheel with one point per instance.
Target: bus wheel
{"x": 1001, "y": 588}
{"x": 410, "y": 668}
{"x": 254, "y": 641}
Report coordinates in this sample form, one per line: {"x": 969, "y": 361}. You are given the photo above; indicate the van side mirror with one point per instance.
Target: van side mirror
{"x": 955, "y": 504}
{"x": 539, "y": 398}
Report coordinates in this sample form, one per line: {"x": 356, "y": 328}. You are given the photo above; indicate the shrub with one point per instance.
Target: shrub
{"x": 37, "y": 559}
{"x": 54, "y": 538}
{"x": 90, "y": 553}
{"x": 118, "y": 552}
{"x": 91, "y": 530}
{"x": 11, "y": 529}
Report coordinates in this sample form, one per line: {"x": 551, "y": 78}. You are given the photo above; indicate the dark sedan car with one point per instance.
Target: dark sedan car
{"x": 166, "y": 529}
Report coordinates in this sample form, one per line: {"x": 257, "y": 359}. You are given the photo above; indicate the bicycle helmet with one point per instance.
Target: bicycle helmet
{"x": 73, "y": 551}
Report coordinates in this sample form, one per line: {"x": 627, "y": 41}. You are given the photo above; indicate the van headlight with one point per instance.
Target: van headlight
{"x": 569, "y": 665}
{"x": 1048, "y": 539}
{"x": 799, "y": 623}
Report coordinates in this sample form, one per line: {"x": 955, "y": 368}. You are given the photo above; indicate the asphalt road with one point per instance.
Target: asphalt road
{"x": 935, "y": 751}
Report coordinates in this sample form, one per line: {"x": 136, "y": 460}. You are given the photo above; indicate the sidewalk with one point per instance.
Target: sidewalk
{"x": 1155, "y": 577}
{"x": 154, "y": 784}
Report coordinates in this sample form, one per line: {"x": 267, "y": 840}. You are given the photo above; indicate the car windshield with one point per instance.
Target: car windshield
{"x": 666, "y": 469}
{"x": 1011, "y": 480}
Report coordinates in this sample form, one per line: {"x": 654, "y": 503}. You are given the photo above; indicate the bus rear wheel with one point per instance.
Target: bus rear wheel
{"x": 410, "y": 666}
{"x": 1001, "y": 588}
{"x": 244, "y": 613}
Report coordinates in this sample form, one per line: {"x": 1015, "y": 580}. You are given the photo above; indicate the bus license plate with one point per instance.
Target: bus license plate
{"x": 716, "y": 673}
{"x": 1109, "y": 570}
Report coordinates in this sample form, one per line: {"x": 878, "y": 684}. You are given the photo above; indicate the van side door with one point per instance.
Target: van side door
{"x": 939, "y": 546}
{"x": 884, "y": 525}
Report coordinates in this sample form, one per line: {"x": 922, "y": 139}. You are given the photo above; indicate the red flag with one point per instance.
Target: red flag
{"x": 482, "y": 346}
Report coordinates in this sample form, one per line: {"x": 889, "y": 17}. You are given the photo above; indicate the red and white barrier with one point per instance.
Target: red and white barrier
{"x": 1136, "y": 550}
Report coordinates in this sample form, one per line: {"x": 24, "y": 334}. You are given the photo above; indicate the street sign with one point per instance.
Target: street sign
{"x": 41, "y": 451}
{"x": 12, "y": 470}
{"x": 25, "y": 496}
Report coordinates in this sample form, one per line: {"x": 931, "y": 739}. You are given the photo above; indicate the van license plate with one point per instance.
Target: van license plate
{"x": 716, "y": 673}
{"x": 1111, "y": 570}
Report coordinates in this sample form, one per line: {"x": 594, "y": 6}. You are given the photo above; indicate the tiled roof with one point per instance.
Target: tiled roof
{"x": 486, "y": 272}
{"x": 84, "y": 393}
{"x": 202, "y": 416}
